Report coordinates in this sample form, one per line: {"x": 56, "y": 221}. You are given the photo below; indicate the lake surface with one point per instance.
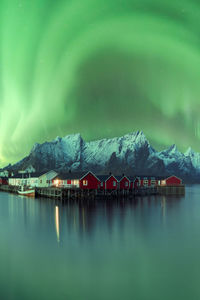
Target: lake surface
{"x": 146, "y": 248}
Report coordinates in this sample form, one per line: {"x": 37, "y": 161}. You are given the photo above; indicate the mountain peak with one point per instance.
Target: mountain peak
{"x": 189, "y": 152}
{"x": 172, "y": 149}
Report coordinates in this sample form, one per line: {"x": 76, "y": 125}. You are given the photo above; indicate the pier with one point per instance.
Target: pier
{"x": 77, "y": 193}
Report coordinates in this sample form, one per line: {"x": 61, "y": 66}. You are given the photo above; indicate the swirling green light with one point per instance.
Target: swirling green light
{"x": 101, "y": 68}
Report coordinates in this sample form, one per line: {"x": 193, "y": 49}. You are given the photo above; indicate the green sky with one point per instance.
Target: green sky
{"x": 99, "y": 67}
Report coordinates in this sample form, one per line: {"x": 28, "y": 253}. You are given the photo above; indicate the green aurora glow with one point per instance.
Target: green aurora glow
{"x": 99, "y": 67}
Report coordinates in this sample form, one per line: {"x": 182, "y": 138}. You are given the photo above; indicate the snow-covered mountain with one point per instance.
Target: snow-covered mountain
{"x": 130, "y": 154}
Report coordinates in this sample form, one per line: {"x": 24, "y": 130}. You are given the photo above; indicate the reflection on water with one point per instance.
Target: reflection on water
{"x": 57, "y": 224}
{"x": 145, "y": 248}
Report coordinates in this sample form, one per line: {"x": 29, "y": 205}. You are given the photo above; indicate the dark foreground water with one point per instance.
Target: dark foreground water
{"x": 147, "y": 248}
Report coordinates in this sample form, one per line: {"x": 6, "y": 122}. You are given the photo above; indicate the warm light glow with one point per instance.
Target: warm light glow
{"x": 163, "y": 182}
{"x": 57, "y": 223}
{"x": 56, "y": 182}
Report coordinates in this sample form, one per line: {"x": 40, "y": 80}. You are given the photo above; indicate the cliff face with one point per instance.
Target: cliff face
{"x": 130, "y": 154}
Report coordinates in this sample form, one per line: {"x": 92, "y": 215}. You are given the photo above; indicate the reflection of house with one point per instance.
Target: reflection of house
{"x": 40, "y": 179}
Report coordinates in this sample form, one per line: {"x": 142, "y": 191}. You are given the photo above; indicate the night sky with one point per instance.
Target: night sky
{"x": 99, "y": 67}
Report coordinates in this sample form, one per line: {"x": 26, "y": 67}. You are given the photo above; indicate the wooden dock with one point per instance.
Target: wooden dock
{"x": 178, "y": 190}
{"x": 76, "y": 193}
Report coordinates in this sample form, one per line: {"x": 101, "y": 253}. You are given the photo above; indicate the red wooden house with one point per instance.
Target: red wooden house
{"x": 171, "y": 180}
{"x": 134, "y": 182}
{"x": 111, "y": 183}
{"x": 89, "y": 181}
{"x": 4, "y": 180}
{"x": 124, "y": 182}
{"x": 108, "y": 182}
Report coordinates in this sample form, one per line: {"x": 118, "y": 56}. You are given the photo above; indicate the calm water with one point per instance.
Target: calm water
{"x": 147, "y": 248}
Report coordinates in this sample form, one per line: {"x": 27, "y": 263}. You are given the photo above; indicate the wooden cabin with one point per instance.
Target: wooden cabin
{"x": 89, "y": 181}
{"x": 169, "y": 181}
{"x": 103, "y": 179}
{"x": 134, "y": 182}
{"x": 111, "y": 183}
{"x": 108, "y": 182}
{"x": 124, "y": 182}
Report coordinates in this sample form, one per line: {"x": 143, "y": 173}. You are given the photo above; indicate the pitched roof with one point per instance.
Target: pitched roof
{"x": 103, "y": 178}
{"x": 28, "y": 175}
{"x": 119, "y": 178}
{"x": 146, "y": 177}
{"x": 132, "y": 178}
{"x": 69, "y": 175}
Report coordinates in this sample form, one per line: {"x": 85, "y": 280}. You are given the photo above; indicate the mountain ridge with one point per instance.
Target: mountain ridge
{"x": 129, "y": 154}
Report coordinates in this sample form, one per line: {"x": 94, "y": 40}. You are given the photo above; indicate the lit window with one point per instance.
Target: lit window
{"x": 56, "y": 182}
{"x": 145, "y": 182}
{"x": 114, "y": 183}
{"x": 85, "y": 182}
{"x": 163, "y": 182}
{"x": 126, "y": 183}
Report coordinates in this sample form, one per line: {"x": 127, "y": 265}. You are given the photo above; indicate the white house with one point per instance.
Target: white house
{"x": 47, "y": 179}
{"x": 36, "y": 179}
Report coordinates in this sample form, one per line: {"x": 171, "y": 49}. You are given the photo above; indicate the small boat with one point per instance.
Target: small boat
{"x": 26, "y": 191}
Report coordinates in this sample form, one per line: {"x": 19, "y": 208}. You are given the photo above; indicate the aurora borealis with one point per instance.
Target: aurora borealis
{"x": 101, "y": 68}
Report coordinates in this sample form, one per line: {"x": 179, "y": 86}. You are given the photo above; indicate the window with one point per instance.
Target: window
{"x": 126, "y": 183}
{"x": 145, "y": 182}
{"x": 85, "y": 182}
{"x": 153, "y": 182}
{"x": 163, "y": 182}
{"x": 101, "y": 183}
{"x": 114, "y": 183}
